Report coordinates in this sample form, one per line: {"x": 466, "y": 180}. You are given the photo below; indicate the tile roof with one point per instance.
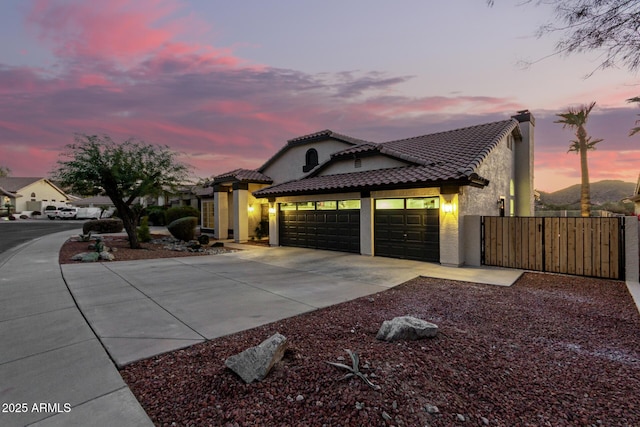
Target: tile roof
{"x": 324, "y": 134}
{"x": 451, "y": 156}
{"x": 244, "y": 175}
{"x": 391, "y": 177}
{"x": 14, "y": 184}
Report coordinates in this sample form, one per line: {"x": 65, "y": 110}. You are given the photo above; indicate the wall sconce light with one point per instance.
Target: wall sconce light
{"x": 447, "y": 206}
{"x": 272, "y": 210}
{"x": 250, "y": 208}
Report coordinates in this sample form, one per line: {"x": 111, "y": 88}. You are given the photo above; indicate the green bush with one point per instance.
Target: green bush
{"x": 183, "y": 228}
{"x": 157, "y": 215}
{"x": 144, "y": 235}
{"x": 111, "y": 225}
{"x": 178, "y": 212}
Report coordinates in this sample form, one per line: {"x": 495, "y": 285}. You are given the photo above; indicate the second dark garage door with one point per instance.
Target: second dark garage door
{"x": 336, "y": 230}
{"x": 408, "y": 229}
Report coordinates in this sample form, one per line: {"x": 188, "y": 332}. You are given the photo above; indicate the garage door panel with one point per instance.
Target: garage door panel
{"x": 332, "y": 230}
{"x": 408, "y": 234}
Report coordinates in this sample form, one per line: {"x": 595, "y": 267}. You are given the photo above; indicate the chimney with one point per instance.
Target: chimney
{"x": 523, "y": 157}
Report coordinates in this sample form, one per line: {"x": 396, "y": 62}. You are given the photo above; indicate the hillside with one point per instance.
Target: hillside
{"x": 601, "y": 192}
{"x": 608, "y": 192}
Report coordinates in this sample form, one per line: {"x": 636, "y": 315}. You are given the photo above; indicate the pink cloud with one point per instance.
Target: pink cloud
{"x": 121, "y": 31}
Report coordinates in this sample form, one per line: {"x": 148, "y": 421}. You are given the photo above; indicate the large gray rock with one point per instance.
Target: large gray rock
{"x": 254, "y": 363}
{"x": 107, "y": 256}
{"x": 86, "y": 257}
{"x": 406, "y": 328}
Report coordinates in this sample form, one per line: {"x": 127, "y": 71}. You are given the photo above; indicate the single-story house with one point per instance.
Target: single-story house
{"x": 30, "y": 194}
{"x": 405, "y": 198}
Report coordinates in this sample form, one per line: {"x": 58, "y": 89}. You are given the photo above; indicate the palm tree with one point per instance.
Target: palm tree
{"x": 576, "y": 118}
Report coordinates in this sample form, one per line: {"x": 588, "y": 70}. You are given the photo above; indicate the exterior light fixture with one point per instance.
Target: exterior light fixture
{"x": 272, "y": 210}
{"x": 250, "y": 208}
{"x": 448, "y": 205}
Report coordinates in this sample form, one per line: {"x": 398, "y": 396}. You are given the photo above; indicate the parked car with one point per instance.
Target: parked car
{"x": 68, "y": 213}
{"x": 51, "y": 211}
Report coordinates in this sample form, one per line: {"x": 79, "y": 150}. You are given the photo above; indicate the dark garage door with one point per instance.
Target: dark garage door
{"x": 404, "y": 228}
{"x": 336, "y": 230}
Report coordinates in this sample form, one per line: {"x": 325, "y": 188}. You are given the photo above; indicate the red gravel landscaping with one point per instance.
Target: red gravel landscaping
{"x": 551, "y": 350}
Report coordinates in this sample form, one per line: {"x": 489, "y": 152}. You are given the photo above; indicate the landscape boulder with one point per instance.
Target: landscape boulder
{"x": 254, "y": 363}
{"x": 86, "y": 257}
{"x": 406, "y": 328}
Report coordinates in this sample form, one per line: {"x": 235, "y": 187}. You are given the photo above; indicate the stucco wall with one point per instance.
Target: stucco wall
{"x": 42, "y": 190}
{"x": 367, "y": 163}
{"x": 497, "y": 167}
{"x": 289, "y": 165}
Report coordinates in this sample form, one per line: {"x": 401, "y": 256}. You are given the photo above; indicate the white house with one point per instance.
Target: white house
{"x": 406, "y": 198}
{"x": 30, "y": 194}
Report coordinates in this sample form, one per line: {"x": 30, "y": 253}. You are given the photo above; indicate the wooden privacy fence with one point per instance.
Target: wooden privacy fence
{"x": 581, "y": 246}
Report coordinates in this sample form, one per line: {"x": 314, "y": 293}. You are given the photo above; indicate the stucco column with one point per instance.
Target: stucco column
{"x": 366, "y": 225}
{"x": 524, "y": 164}
{"x": 220, "y": 212}
{"x": 240, "y": 212}
{"x": 451, "y": 231}
{"x": 274, "y": 224}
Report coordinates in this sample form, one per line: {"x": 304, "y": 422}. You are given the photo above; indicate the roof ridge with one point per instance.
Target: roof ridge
{"x": 448, "y": 131}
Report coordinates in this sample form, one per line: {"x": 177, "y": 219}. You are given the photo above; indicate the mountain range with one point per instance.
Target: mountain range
{"x": 607, "y": 192}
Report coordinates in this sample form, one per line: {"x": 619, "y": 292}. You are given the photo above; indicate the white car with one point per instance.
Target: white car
{"x": 68, "y": 213}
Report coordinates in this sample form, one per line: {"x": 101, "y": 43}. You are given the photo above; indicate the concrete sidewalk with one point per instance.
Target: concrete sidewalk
{"x": 53, "y": 369}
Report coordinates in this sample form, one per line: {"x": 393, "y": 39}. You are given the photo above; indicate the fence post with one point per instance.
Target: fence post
{"x": 473, "y": 241}
{"x": 632, "y": 269}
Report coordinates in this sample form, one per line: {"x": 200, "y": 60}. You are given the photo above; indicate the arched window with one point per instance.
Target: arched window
{"x": 311, "y": 160}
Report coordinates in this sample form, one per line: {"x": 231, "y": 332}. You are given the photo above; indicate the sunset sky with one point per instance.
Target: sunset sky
{"x": 227, "y": 83}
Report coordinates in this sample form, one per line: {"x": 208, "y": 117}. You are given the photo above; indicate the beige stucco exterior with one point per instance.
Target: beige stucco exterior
{"x": 37, "y": 193}
{"x": 288, "y": 165}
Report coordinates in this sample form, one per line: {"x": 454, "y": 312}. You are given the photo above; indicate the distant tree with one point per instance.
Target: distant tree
{"x": 124, "y": 172}
{"x": 610, "y": 26}
{"x": 637, "y": 128}
{"x": 4, "y": 172}
{"x": 576, "y": 119}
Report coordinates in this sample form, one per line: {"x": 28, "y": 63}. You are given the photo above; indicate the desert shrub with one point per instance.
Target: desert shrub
{"x": 111, "y": 225}
{"x": 177, "y": 212}
{"x": 183, "y": 228}
{"x": 157, "y": 215}
{"x": 144, "y": 235}
{"x": 203, "y": 239}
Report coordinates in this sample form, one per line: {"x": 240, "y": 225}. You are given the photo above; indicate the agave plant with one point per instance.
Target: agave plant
{"x": 354, "y": 370}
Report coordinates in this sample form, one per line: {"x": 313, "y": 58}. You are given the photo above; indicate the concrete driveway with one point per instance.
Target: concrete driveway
{"x": 142, "y": 308}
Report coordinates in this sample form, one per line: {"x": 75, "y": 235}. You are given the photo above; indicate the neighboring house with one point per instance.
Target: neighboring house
{"x": 405, "y": 199}
{"x": 31, "y": 194}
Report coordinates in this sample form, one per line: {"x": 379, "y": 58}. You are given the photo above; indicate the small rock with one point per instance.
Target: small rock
{"x": 461, "y": 418}
{"x": 431, "y": 409}
{"x": 485, "y": 421}
{"x": 107, "y": 256}
{"x": 359, "y": 406}
{"x": 394, "y": 405}
{"x": 299, "y": 398}
{"x": 386, "y": 416}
